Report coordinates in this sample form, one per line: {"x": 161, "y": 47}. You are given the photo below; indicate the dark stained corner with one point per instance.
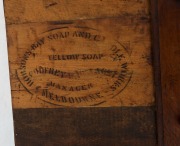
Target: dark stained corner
{"x": 121, "y": 126}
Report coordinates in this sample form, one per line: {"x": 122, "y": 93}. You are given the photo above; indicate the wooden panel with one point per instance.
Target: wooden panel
{"x": 60, "y": 10}
{"x": 169, "y": 21}
{"x": 81, "y": 72}
{"x": 157, "y": 71}
{"x": 80, "y": 62}
{"x": 123, "y": 126}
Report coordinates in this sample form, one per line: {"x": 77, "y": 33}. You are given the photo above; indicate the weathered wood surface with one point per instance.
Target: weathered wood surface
{"x": 94, "y": 55}
{"x": 169, "y": 24}
{"x": 114, "y": 126}
{"x": 59, "y": 57}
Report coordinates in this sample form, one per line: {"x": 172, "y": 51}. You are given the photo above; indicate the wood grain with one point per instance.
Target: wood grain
{"x": 81, "y": 72}
{"x": 32, "y": 11}
{"x": 170, "y": 69}
{"x": 37, "y": 46}
{"x": 157, "y": 71}
{"x": 116, "y": 126}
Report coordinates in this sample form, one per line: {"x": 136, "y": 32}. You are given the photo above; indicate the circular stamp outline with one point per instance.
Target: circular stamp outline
{"x": 30, "y": 82}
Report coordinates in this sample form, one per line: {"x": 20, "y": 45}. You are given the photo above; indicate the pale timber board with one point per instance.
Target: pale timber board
{"x": 126, "y": 23}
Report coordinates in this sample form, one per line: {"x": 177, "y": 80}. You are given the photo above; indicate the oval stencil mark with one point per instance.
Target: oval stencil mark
{"x": 75, "y": 67}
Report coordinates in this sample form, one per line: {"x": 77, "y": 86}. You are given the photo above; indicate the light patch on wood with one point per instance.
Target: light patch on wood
{"x": 78, "y": 54}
